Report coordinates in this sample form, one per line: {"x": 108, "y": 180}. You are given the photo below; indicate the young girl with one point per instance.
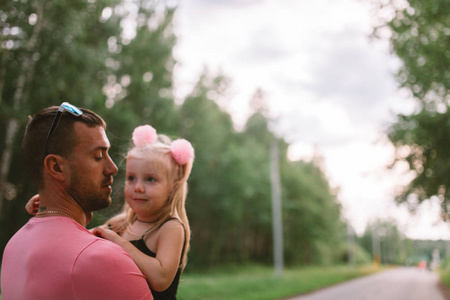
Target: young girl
{"x": 153, "y": 227}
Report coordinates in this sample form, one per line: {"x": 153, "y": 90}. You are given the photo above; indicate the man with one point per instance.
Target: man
{"x": 53, "y": 256}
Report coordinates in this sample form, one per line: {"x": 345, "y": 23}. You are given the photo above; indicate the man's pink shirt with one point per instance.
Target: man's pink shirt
{"x": 57, "y": 258}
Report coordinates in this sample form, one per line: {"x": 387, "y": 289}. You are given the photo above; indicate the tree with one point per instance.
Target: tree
{"x": 137, "y": 86}
{"x": 422, "y": 141}
{"x": 420, "y": 37}
{"x": 140, "y": 78}
{"x": 314, "y": 230}
{"x": 210, "y": 130}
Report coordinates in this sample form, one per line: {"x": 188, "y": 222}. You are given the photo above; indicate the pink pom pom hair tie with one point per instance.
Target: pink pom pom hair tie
{"x": 182, "y": 151}
{"x": 144, "y": 134}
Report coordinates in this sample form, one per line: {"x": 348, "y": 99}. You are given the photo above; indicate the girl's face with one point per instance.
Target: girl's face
{"x": 146, "y": 188}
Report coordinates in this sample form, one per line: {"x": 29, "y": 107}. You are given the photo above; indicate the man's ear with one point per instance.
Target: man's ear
{"x": 55, "y": 166}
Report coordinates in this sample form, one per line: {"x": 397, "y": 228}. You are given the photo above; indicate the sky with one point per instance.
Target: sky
{"x": 329, "y": 87}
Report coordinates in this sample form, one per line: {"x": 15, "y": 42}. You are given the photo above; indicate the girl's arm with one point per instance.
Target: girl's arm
{"x": 159, "y": 271}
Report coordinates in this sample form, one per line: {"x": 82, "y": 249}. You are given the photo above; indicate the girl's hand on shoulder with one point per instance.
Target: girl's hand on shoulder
{"x": 108, "y": 234}
{"x": 92, "y": 230}
{"x": 32, "y": 205}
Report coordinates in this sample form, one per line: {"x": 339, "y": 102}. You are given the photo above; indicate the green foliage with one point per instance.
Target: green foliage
{"x": 420, "y": 37}
{"x": 142, "y": 69}
{"x": 211, "y": 133}
{"x": 311, "y": 215}
{"x": 361, "y": 256}
{"x": 422, "y": 141}
{"x": 61, "y": 56}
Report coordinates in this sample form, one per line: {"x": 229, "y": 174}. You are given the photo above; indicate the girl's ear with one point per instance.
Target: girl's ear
{"x": 54, "y": 165}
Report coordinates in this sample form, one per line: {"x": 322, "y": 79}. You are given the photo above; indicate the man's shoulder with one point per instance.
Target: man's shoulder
{"x": 102, "y": 256}
{"x": 103, "y": 270}
{"x": 101, "y": 247}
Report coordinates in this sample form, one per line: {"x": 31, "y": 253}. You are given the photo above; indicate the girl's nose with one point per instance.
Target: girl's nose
{"x": 139, "y": 187}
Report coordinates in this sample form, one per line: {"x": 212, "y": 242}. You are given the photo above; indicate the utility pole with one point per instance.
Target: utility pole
{"x": 376, "y": 247}
{"x": 350, "y": 245}
{"x": 277, "y": 223}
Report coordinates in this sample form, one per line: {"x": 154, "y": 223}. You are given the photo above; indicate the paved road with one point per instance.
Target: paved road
{"x": 395, "y": 284}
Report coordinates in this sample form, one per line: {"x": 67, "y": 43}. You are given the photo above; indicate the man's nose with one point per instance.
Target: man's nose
{"x": 111, "y": 168}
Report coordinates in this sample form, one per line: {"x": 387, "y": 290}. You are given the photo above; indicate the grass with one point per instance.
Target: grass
{"x": 256, "y": 282}
{"x": 444, "y": 273}
{"x": 259, "y": 283}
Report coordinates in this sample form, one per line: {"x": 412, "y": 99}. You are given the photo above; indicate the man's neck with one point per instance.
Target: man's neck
{"x": 60, "y": 203}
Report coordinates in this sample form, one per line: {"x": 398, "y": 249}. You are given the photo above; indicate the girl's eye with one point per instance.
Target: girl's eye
{"x": 130, "y": 178}
{"x": 151, "y": 179}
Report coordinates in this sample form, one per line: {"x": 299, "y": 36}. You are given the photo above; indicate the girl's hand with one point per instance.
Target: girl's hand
{"x": 32, "y": 205}
{"x": 108, "y": 234}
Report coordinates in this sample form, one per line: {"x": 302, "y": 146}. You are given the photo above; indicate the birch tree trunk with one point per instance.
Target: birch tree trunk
{"x": 2, "y": 73}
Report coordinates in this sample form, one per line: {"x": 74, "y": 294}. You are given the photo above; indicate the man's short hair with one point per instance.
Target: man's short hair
{"x": 62, "y": 141}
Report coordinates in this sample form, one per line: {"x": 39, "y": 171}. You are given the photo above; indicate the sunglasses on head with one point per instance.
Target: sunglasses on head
{"x": 65, "y": 106}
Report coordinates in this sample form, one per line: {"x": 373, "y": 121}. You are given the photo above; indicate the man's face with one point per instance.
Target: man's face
{"x": 91, "y": 168}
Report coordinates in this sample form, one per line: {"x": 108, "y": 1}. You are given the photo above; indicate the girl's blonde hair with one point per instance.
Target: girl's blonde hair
{"x": 177, "y": 175}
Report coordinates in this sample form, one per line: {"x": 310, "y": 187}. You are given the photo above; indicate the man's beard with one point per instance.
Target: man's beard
{"x": 89, "y": 197}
